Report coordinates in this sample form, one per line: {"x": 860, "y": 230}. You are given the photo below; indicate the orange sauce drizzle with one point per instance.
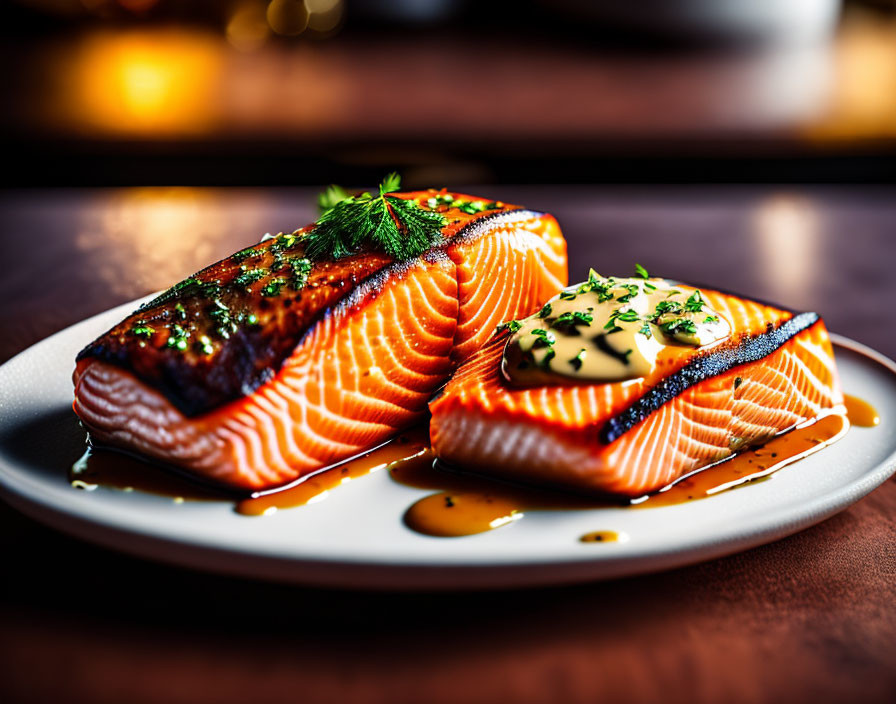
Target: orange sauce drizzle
{"x": 860, "y": 412}
{"x": 602, "y": 536}
{"x": 115, "y": 470}
{"x": 316, "y": 487}
{"x": 466, "y": 504}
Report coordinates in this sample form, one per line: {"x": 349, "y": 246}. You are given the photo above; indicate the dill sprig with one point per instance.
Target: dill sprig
{"x": 331, "y": 197}
{"x": 399, "y": 227}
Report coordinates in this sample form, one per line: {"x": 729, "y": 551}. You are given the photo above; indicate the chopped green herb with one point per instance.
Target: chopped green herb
{"x": 641, "y": 271}
{"x": 577, "y": 361}
{"x": 567, "y": 295}
{"x": 649, "y": 286}
{"x": 631, "y": 292}
{"x": 645, "y": 330}
{"x": 249, "y": 277}
{"x": 546, "y": 360}
{"x": 243, "y": 254}
{"x": 272, "y": 288}
{"x": 629, "y": 316}
{"x": 545, "y": 312}
{"x": 679, "y": 325}
{"x": 666, "y": 307}
{"x": 205, "y": 345}
{"x": 695, "y": 302}
{"x": 711, "y": 319}
{"x": 571, "y": 319}
{"x": 143, "y": 330}
{"x": 544, "y": 338}
{"x": 178, "y": 338}
{"x": 301, "y": 267}
{"x": 511, "y": 325}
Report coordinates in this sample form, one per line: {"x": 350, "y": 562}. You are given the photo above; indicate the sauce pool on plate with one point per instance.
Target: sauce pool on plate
{"x": 466, "y": 504}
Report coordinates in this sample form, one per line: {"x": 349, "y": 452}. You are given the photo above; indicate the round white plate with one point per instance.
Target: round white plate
{"x": 356, "y": 538}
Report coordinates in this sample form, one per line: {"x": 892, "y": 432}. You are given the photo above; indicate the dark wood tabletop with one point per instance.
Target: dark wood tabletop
{"x": 810, "y": 618}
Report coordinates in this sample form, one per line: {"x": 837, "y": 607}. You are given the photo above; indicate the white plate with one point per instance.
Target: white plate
{"x": 356, "y": 538}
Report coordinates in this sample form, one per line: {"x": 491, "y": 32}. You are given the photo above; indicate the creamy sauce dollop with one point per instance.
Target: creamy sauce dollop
{"x": 608, "y": 329}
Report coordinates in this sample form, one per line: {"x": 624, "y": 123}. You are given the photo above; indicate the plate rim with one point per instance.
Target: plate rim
{"x": 198, "y": 552}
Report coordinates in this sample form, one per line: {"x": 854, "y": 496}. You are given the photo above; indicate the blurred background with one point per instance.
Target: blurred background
{"x": 292, "y": 92}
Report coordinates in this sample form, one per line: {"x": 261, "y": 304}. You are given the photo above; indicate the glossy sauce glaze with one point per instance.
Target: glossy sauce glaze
{"x": 467, "y": 504}
{"x": 603, "y": 536}
{"x": 860, "y": 413}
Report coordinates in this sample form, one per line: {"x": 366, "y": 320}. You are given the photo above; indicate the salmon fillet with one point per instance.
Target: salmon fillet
{"x": 636, "y": 436}
{"x": 290, "y": 378}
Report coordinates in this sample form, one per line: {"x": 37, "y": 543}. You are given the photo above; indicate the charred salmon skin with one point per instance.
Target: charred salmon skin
{"x": 623, "y": 386}
{"x": 271, "y": 365}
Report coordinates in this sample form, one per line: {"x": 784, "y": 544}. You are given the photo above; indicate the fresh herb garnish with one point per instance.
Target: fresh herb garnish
{"x": 399, "y": 227}
{"x": 205, "y": 345}
{"x": 249, "y": 277}
{"x": 568, "y": 295}
{"x": 679, "y": 325}
{"x": 641, "y": 271}
{"x": 577, "y": 361}
{"x": 632, "y": 291}
{"x": 178, "y": 338}
{"x": 695, "y": 302}
{"x": 331, "y": 197}
{"x": 645, "y": 330}
{"x": 301, "y": 267}
{"x": 511, "y": 325}
{"x": 143, "y": 330}
{"x": 545, "y": 312}
{"x": 573, "y": 319}
{"x": 546, "y": 360}
{"x": 272, "y": 288}
{"x": 543, "y": 338}
{"x": 666, "y": 307}
{"x": 243, "y": 254}
{"x": 711, "y": 319}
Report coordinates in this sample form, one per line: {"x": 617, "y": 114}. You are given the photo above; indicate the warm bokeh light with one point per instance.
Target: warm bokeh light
{"x": 248, "y": 27}
{"x": 787, "y": 231}
{"x": 863, "y": 103}
{"x": 287, "y": 17}
{"x": 161, "y": 235}
{"x": 324, "y": 15}
{"x": 140, "y": 83}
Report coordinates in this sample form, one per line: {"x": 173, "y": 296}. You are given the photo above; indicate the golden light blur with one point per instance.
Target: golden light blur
{"x": 248, "y": 27}
{"x": 787, "y": 230}
{"x": 135, "y": 82}
{"x": 324, "y": 15}
{"x": 163, "y": 234}
{"x": 287, "y": 17}
{"x": 863, "y": 101}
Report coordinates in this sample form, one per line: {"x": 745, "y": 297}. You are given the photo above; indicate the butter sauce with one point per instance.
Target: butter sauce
{"x": 608, "y": 329}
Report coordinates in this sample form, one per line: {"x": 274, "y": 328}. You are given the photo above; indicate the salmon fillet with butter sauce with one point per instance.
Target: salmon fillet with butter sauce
{"x": 693, "y": 407}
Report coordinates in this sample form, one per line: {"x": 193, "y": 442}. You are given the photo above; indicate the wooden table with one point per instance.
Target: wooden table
{"x": 807, "y": 619}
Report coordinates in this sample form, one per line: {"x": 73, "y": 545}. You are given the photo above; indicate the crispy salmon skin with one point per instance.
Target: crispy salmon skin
{"x": 635, "y": 436}
{"x": 268, "y": 366}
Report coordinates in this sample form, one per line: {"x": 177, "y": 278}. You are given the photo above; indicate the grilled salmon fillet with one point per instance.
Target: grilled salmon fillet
{"x": 632, "y": 437}
{"x": 266, "y": 366}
